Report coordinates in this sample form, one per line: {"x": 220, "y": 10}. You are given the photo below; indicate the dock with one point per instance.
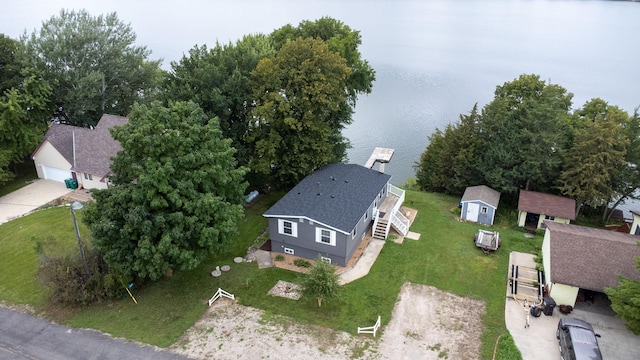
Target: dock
{"x": 381, "y": 155}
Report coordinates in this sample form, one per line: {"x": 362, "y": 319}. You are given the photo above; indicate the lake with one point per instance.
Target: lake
{"x": 434, "y": 58}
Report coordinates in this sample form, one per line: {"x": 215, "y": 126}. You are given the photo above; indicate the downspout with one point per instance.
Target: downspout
{"x": 73, "y": 139}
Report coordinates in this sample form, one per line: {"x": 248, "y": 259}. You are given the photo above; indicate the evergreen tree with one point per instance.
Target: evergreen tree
{"x": 625, "y": 301}
{"x": 322, "y": 282}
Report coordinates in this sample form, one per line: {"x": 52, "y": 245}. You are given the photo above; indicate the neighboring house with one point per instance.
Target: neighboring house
{"x": 577, "y": 257}
{"x": 331, "y": 211}
{"x": 635, "y": 225}
{"x": 534, "y": 208}
{"x": 79, "y": 153}
{"x": 479, "y": 204}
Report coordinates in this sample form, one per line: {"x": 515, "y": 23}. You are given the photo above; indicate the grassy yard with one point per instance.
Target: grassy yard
{"x": 444, "y": 257}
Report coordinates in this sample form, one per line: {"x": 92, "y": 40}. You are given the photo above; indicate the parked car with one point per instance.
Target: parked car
{"x": 577, "y": 340}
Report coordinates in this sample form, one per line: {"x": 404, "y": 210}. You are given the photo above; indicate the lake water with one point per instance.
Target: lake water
{"x": 434, "y": 58}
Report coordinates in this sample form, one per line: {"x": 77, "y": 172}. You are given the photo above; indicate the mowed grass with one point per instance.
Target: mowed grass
{"x": 444, "y": 257}
{"x": 19, "y": 264}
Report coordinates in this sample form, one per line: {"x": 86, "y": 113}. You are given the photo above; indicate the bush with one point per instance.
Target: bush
{"x": 301, "y": 263}
{"x": 71, "y": 279}
{"x": 279, "y": 258}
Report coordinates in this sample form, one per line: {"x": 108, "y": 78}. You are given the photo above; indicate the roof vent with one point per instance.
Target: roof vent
{"x": 319, "y": 194}
{"x": 347, "y": 181}
{"x": 333, "y": 196}
{"x": 332, "y": 178}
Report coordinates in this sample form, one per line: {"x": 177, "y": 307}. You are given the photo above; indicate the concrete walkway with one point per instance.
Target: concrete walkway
{"x": 29, "y": 198}
{"x": 363, "y": 265}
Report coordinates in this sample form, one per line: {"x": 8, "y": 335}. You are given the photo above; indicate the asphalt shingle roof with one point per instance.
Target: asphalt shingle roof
{"x": 591, "y": 258}
{"x": 94, "y": 147}
{"x": 552, "y": 205}
{"x": 482, "y": 193}
{"x": 336, "y": 195}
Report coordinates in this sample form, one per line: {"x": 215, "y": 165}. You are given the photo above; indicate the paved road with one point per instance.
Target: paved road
{"x": 24, "y": 337}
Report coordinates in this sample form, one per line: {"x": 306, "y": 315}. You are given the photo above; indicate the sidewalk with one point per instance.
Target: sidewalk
{"x": 362, "y": 267}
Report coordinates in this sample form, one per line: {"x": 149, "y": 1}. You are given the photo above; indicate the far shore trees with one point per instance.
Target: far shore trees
{"x": 176, "y": 197}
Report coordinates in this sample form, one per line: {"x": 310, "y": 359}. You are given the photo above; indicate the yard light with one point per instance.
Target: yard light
{"x": 77, "y": 205}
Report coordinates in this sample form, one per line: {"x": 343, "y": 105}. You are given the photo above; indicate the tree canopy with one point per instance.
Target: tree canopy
{"x": 297, "y": 95}
{"x": 218, "y": 80}
{"x": 322, "y": 282}
{"x": 625, "y": 301}
{"x": 176, "y": 193}
{"x": 92, "y": 63}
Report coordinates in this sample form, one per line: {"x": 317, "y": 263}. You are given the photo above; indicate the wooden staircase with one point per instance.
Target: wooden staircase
{"x": 381, "y": 229}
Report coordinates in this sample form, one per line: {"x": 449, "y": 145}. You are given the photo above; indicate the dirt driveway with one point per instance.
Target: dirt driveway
{"x": 29, "y": 198}
{"x": 427, "y": 323}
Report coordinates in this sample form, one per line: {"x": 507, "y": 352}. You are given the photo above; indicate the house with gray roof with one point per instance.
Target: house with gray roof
{"x": 535, "y": 207}
{"x": 79, "y": 153}
{"x": 332, "y": 210}
{"x": 578, "y": 257}
{"x": 479, "y": 204}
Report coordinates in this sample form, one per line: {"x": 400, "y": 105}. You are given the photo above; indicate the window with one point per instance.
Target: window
{"x": 287, "y": 228}
{"x": 325, "y": 236}
{"x": 88, "y": 176}
{"x": 288, "y": 251}
{"x": 366, "y": 216}
{"x": 547, "y": 217}
{"x": 484, "y": 210}
{"x": 353, "y": 233}
{"x": 325, "y": 259}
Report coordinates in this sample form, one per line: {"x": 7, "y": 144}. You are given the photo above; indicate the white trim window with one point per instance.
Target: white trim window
{"x": 484, "y": 210}
{"x": 88, "y": 176}
{"x": 354, "y": 232}
{"x": 325, "y": 236}
{"x": 289, "y": 251}
{"x": 325, "y": 259}
{"x": 288, "y": 228}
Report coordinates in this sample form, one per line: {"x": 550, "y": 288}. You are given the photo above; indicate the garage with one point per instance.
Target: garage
{"x": 55, "y": 174}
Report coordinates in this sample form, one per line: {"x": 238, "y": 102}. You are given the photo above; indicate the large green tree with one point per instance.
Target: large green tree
{"x": 322, "y": 282}
{"x": 345, "y": 41}
{"x": 297, "y": 94}
{"x": 448, "y": 164}
{"x": 10, "y": 65}
{"x": 625, "y": 301}
{"x": 176, "y": 195}
{"x": 93, "y": 64}
{"x": 520, "y": 131}
{"x": 23, "y": 114}
{"x": 218, "y": 80}
{"x": 597, "y": 167}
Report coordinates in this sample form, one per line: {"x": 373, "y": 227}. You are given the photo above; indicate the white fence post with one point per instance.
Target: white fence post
{"x": 220, "y": 293}
{"x": 370, "y": 329}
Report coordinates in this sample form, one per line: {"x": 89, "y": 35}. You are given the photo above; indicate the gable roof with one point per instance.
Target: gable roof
{"x": 552, "y": 205}
{"x": 337, "y": 195}
{"x": 94, "y": 148}
{"x": 591, "y": 258}
{"x": 482, "y": 193}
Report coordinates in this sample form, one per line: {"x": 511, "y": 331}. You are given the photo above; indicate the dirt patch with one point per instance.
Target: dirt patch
{"x": 427, "y": 323}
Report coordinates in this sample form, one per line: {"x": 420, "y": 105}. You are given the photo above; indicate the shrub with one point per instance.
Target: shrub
{"x": 301, "y": 263}
{"x": 279, "y": 258}
{"x": 71, "y": 279}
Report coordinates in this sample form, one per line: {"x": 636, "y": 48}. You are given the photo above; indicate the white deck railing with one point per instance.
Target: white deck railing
{"x": 398, "y": 220}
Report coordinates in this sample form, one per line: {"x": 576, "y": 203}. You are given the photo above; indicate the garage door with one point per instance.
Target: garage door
{"x": 56, "y": 174}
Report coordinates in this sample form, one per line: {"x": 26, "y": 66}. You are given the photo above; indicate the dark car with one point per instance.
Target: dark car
{"x": 577, "y": 340}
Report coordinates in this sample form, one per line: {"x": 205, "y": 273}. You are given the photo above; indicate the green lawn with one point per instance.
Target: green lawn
{"x": 444, "y": 257}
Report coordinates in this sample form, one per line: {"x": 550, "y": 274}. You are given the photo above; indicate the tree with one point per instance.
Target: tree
{"x": 22, "y": 120}
{"x": 218, "y": 80}
{"x": 297, "y": 94}
{"x": 592, "y": 163}
{"x": 10, "y": 65}
{"x": 448, "y": 164}
{"x": 93, "y": 65}
{"x": 520, "y": 134}
{"x": 176, "y": 195}
{"x": 341, "y": 39}
{"x": 625, "y": 300}
{"x": 322, "y": 282}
